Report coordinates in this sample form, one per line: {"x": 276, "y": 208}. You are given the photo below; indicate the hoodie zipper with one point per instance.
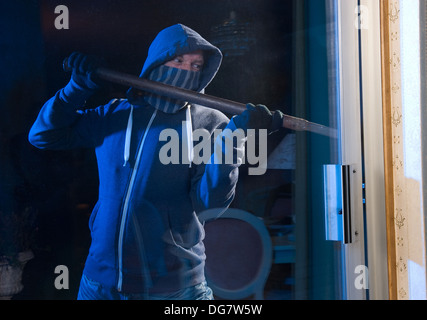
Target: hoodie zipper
{"x": 127, "y": 199}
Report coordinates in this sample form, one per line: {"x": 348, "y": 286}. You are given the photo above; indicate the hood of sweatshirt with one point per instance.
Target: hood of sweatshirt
{"x": 174, "y": 41}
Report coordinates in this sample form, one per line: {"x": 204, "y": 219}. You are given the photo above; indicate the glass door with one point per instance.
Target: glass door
{"x": 333, "y": 98}
{"x": 298, "y": 56}
{"x": 290, "y": 196}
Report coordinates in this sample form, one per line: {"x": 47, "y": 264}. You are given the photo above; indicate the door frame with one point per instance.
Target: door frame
{"x": 362, "y": 144}
{"x": 358, "y": 85}
{"x": 351, "y": 140}
{"x": 373, "y": 147}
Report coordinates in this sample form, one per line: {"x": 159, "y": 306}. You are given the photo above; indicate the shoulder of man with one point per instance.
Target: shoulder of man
{"x": 112, "y": 106}
{"x": 208, "y": 118}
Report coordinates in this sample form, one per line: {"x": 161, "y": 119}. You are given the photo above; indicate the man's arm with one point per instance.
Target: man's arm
{"x": 214, "y": 187}
{"x": 214, "y": 184}
{"x": 55, "y": 126}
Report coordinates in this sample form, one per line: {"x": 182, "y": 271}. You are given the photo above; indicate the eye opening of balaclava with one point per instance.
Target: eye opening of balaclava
{"x": 176, "y": 77}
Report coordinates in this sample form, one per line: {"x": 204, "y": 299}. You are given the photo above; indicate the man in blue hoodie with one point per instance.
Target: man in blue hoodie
{"x": 147, "y": 242}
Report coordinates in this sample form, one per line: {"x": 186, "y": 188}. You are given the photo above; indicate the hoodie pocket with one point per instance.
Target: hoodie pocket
{"x": 93, "y": 216}
{"x": 185, "y": 231}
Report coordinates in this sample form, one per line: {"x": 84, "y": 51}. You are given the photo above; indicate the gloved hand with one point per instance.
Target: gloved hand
{"x": 83, "y": 82}
{"x": 83, "y": 67}
{"x": 259, "y": 117}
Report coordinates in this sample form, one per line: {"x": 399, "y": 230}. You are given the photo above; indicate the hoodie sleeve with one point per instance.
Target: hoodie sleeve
{"x": 213, "y": 186}
{"x": 61, "y": 125}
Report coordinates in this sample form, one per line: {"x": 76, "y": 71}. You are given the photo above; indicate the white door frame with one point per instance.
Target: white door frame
{"x": 351, "y": 144}
{"x": 376, "y": 230}
{"x": 361, "y": 130}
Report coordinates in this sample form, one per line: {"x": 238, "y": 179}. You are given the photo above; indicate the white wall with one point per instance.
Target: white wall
{"x": 411, "y": 112}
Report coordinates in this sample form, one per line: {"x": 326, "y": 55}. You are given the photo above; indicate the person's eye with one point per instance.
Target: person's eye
{"x": 177, "y": 60}
{"x": 196, "y": 66}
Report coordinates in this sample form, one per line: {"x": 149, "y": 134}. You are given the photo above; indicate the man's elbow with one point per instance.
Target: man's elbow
{"x": 41, "y": 140}
{"x": 34, "y": 138}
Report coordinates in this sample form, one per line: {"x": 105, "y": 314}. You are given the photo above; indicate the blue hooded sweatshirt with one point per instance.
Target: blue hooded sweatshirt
{"x": 146, "y": 236}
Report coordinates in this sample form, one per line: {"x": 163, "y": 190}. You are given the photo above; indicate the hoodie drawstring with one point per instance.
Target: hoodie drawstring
{"x": 128, "y": 137}
{"x": 189, "y": 133}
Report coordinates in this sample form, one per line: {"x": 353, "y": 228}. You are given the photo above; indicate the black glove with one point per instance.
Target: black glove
{"x": 259, "y": 117}
{"x": 83, "y": 67}
{"x": 83, "y": 81}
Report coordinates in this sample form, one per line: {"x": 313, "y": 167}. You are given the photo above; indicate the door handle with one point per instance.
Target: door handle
{"x": 338, "y": 203}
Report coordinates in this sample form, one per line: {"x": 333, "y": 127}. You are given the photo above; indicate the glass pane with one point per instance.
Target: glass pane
{"x": 289, "y": 196}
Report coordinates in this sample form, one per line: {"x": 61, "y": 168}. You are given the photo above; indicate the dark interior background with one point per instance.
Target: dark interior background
{"x": 62, "y": 185}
